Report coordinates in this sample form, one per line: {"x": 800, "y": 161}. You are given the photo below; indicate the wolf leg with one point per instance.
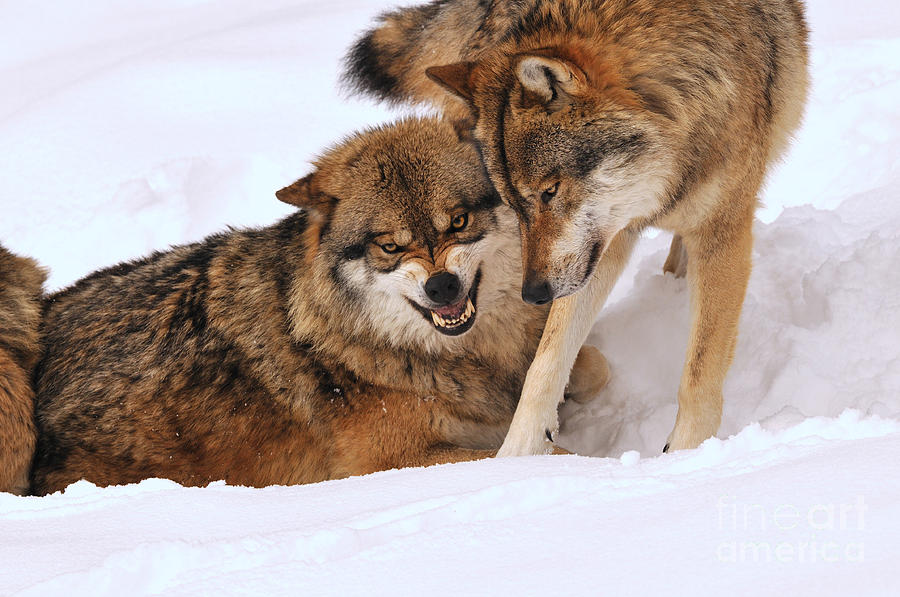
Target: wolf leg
{"x": 718, "y": 270}
{"x": 676, "y": 262}
{"x": 535, "y": 421}
{"x": 446, "y": 454}
{"x": 589, "y": 375}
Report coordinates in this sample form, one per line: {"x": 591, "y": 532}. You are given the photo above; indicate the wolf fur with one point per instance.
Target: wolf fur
{"x": 306, "y": 350}
{"x": 21, "y": 286}
{"x": 596, "y": 119}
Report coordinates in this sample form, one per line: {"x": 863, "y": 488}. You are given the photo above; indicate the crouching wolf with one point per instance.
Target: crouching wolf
{"x": 21, "y": 286}
{"x": 380, "y": 326}
{"x": 596, "y": 119}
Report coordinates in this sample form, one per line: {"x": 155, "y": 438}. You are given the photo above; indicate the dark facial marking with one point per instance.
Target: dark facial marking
{"x": 592, "y": 260}
{"x": 548, "y": 194}
{"x": 353, "y": 252}
{"x": 488, "y": 201}
{"x": 513, "y": 197}
{"x": 590, "y": 151}
{"x": 334, "y": 273}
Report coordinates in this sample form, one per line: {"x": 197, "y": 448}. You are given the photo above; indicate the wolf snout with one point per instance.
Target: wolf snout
{"x": 537, "y": 292}
{"x": 443, "y": 288}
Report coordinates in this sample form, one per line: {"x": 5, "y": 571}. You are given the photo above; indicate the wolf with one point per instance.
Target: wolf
{"x": 378, "y": 326}
{"x": 596, "y": 119}
{"x": 21, "y": 288}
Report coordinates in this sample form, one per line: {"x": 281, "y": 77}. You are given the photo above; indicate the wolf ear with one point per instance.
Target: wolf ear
{"x": 454, "y": 78}
{"x": 304, "y": 194}
{"x": 318, "y": 206}
{"x": 546, "y": 79}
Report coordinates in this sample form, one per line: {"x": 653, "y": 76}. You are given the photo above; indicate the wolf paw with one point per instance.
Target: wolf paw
{"x": 687, "y": 436}
{"x": 530, "y": 441}
{"x": 560, "y": 451}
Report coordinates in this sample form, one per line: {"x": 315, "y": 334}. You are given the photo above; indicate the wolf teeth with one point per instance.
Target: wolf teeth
{"x": 450, "y": 323}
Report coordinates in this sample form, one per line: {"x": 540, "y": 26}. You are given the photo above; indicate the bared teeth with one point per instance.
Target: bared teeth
{"x": 440, "y": 321}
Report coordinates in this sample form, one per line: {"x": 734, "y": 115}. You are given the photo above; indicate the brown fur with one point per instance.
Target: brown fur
{"x": 597, "y": 119}
{"x": 21, "y": 282}
{"x": 287, "y": 354}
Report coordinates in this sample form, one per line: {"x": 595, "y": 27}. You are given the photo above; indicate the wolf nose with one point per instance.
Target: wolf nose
{"x": 442, "y": 288}
{"x": 537, "y": 294}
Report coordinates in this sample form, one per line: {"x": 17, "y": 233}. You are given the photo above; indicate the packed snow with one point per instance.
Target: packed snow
{"x": 126, "y": 127}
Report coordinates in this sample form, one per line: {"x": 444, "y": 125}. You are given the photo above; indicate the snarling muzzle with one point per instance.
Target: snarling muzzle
{"x": 452, "y": 312}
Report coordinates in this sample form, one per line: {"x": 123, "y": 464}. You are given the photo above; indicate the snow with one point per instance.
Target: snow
{"x": 125, "y": 127}
{"x": 809, "y": 509}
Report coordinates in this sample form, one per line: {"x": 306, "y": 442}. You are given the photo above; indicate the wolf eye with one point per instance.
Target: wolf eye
{"x": 459, "y": 222}
{"x": 390, "y": 248}
{"x": 549, "y": 193}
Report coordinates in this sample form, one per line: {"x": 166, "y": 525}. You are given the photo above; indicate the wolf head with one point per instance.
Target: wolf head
{"x": 409, "y": 236}
{"x": 575, "y": 149}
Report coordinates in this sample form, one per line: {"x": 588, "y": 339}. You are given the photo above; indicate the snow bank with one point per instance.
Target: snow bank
{"x": 793, "y": 512}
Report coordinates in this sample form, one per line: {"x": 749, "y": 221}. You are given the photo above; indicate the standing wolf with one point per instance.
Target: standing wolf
{"x": 380, "y": 326}
{"x": 596, "y": 119}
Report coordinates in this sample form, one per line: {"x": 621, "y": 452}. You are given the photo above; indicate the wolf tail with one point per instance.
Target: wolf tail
{"x": 21, "y": 288}
{"x": 389, "y": 61}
